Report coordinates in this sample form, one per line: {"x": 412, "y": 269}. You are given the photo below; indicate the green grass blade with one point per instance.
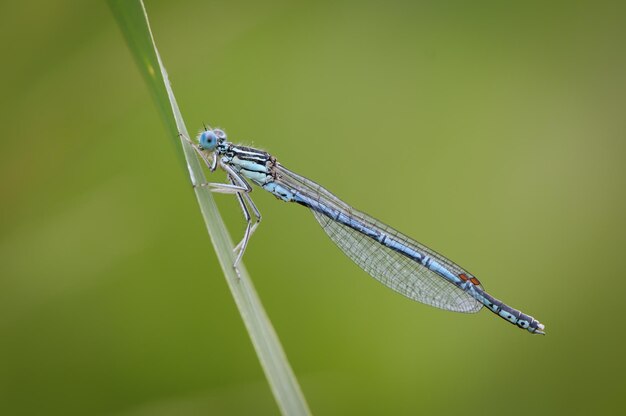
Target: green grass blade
{"x": 133, "y": 21}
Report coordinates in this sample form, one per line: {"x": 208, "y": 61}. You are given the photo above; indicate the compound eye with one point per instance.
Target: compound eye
{"x": 208, "y": 140}
{"x": 219, "y": 133}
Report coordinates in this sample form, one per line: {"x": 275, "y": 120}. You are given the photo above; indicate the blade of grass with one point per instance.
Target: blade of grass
{"x": 133, "y": 21}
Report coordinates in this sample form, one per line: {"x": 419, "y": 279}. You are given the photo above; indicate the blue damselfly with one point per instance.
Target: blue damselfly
{"x": 397, "y": 261}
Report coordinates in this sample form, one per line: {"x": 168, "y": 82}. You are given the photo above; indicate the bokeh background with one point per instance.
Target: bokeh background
{"x": 495, "y": 133}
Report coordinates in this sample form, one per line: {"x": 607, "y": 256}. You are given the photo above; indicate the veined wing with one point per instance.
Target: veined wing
{"x": 397, "y": 271}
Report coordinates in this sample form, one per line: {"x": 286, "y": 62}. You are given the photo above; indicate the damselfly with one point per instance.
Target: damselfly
{"x": 397, "y": 261}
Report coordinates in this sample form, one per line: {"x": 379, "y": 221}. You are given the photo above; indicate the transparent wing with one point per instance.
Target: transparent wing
{"x": 400, "y": 273}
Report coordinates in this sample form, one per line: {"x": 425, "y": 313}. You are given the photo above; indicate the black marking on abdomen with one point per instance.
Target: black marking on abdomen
{"x": 504, "y": 311}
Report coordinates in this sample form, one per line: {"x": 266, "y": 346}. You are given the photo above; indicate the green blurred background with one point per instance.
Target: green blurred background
{"x": 494, "y": 133}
